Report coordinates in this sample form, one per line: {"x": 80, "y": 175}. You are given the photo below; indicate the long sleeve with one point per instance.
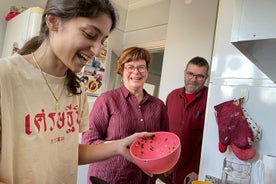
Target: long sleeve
{"x": 115, "y": 115}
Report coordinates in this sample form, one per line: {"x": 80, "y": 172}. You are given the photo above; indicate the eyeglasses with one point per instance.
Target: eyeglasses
{"x": 141, "y": 68}
{"x": 190, "y": 75}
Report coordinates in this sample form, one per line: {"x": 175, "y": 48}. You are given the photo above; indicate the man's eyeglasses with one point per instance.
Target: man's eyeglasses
{"x": 141, "y": 68}
{"x": 190, "y": 75}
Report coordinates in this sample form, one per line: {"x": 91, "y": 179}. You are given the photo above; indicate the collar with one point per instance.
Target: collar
{"x": 183, "y": 91}
{"x": 127, "y": 94}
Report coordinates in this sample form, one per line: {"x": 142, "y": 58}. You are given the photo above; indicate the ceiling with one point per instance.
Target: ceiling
{"x": 133, "y": 4}
{"x": 127, "y": 4}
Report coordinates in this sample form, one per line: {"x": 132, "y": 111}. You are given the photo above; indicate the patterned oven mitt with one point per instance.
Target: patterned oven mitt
{"x": 235, "y": 130}
{"x": 256, "y": 129}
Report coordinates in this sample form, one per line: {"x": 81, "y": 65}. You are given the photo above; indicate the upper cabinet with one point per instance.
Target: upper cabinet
{"x": 254, "y": 33}
{"x": 254, "y": 20}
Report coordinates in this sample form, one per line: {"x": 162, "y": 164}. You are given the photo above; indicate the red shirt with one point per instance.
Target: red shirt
{"x": 187, "y": 121}
{"x": 115, "y": 115}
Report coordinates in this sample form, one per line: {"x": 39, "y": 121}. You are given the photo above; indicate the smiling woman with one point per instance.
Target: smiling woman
{"x": 123, "y": 111}
{"x": 46, "y": 115}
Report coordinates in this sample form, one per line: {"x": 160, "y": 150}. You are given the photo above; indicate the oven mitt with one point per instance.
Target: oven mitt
{"x": 256, "y": 129}
{"x": 232, "y": 125}
{"x": 223, "y": 126}
{"x": 243, "y": 154}
{"x": 241, "y": 134}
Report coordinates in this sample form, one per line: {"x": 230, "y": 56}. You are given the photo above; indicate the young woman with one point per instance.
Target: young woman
{"x": 123, "y": 111}
{"x": 43, "y": 106}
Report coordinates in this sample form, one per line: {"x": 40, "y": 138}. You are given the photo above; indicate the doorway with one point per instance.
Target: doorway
{"x": 153, "y": 83}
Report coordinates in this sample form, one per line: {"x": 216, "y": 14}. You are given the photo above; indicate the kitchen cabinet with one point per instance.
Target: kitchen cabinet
{"x": 254, "y": 33}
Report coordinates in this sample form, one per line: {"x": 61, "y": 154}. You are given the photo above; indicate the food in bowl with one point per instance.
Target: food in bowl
{"x": 156, "y": 154}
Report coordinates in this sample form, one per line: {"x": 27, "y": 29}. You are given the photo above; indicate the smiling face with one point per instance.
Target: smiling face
{"x": 79, "y": 39}
{"x": 195, "y": 77}
{"x": 135, "y": 74}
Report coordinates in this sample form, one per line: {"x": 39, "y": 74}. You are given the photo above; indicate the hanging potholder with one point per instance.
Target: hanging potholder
{"x": 256, "y": 129}
{"x": 232, "y": 125}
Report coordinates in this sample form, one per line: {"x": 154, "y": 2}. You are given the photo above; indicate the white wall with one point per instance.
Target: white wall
{"x": 190, "y": 33}
{"x": 117, "y": 36}
{"x": 146, "y": 26}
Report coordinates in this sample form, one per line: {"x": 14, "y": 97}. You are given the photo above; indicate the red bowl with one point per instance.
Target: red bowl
{"x": 156, "y": 154}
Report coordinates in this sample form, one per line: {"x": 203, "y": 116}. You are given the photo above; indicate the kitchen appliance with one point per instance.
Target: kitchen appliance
{"x": 235, "y": 171}
{"x": 21, "y": 28}
{"x": 254, "y": 33}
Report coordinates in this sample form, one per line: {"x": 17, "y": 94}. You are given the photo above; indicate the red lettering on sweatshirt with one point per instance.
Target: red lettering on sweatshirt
{"x": 43, "y": 121}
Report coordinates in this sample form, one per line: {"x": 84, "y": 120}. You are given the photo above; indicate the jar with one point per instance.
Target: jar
{"x": 236, "y": 171}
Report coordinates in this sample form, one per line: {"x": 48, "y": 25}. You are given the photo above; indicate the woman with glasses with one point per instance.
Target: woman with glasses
{"x": 123, "y": 111}
{"x": 186, "y": 111}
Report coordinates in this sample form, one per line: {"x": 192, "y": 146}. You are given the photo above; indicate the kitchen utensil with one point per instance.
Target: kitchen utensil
{"x": 95, "y": 180}
{"x": 156, "y": 154}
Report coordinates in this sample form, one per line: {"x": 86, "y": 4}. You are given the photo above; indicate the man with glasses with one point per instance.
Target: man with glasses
{"x": 186, "y": 111}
